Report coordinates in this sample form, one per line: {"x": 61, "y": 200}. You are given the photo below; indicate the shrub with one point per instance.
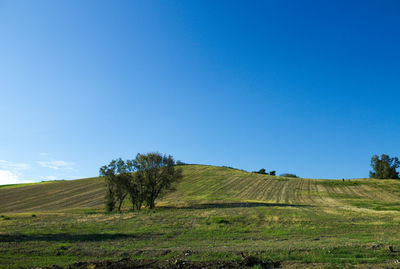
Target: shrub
{"x": 261, "y": 171}
{"x": 287, "y": 175}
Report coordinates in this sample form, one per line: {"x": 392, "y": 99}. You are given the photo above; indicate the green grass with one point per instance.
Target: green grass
{"x": 215, "y": 212}
{"x": 27, "y": 184}
{"x": 333, "y": 183}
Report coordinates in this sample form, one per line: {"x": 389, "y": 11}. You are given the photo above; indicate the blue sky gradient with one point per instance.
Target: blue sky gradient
{"x": 305, "y": 87}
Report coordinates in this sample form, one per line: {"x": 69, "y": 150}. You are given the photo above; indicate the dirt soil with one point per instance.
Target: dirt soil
{"x": 175, "y": 264}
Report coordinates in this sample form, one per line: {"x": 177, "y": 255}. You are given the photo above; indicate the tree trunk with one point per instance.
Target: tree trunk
{"x": 119, "y": 206}
{"x": 120, "y": 202}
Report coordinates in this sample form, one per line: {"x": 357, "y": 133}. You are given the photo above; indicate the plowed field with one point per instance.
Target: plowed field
{"x": 215, "y": 214}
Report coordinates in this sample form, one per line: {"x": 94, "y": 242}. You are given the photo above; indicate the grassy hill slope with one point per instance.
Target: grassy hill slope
{"x": 202, "y": 184}
{"x": 53, "y": 196}
{"x": 214, "y": 214}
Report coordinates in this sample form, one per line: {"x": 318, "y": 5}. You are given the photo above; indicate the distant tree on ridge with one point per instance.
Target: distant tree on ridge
{"x": 261, "y": 171}
{"x": 384, "y": 167}
{"x": 287, "y": 175}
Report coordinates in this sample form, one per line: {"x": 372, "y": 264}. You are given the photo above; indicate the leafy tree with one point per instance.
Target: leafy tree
{"x": 115, "y": 175}
{"x": 157, "y": 172}
{"x": 384, "y": 167}
{"x": 121, "y": 181}
{"x": 261, "y": 171}
{"x": 272, "y": 173}
{"x": 135, "y": 186}
{"x": 109, "y": 200}
{"x": 143, "y": 179}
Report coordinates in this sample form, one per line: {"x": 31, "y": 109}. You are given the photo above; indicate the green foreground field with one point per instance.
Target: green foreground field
{"x": 215, "y": 213}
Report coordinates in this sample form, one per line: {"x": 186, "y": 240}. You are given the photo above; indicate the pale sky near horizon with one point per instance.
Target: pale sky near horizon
{"x": 303, "y": 87}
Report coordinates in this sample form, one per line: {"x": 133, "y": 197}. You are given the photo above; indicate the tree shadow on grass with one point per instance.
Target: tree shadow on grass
{"x": 66, "y": 237}
{"x": 234, "y": 205}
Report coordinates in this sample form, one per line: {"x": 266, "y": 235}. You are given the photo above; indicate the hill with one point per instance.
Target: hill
{"x": 215, "y": 214}
{"x": 202, "y": 184}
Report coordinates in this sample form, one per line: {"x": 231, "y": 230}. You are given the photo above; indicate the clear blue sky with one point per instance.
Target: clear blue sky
{"x": 306, "y": 87}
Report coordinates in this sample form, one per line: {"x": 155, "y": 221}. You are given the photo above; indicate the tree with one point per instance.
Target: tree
{"x": 121, "y": 181}
{"x": 157, "y": 172}
{"x": 135, "y": 186}
{"x": 109, "y": 200}
{"x": 143, "y": 179}
{"x": 385, "y": 167}
{"x": 261, "y": 171}
{"x": 272, "y": 173}
{"x": 115, "y": 175}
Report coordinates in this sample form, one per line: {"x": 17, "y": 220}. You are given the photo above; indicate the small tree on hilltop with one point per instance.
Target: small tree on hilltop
{"x": 385, "y": 167}
{"x": 157, "y": 172}
{"x": 262, "y": 171}
{"x": 287, "y": 175}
